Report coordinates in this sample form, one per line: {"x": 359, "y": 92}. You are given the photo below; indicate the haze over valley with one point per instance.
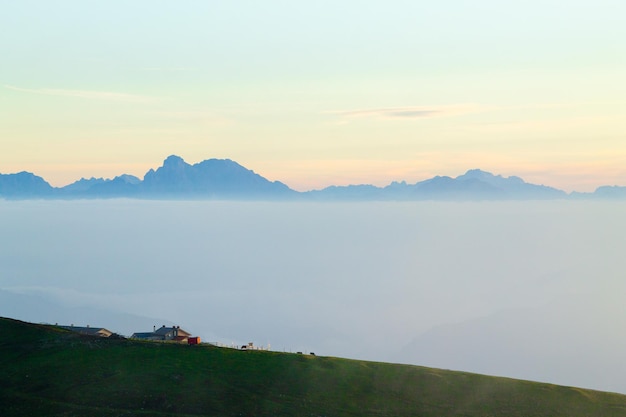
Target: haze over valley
{"x": 529, "y": 290}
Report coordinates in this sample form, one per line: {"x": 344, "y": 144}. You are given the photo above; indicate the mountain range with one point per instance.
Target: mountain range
{"x": 224, "y": 179}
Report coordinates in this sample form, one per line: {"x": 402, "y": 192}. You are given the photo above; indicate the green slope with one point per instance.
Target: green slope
{"x": 47, "y": 371}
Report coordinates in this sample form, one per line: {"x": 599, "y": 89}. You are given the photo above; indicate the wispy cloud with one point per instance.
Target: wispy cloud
{"x": 406, "y": 113}
{"x": 168, "y": 69}
{"x": 86, "y": 94}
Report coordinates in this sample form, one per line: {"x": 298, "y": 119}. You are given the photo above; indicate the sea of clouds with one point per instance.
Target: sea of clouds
{"x": 531, "y": 290}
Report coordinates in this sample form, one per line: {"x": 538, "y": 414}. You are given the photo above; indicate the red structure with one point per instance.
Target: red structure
{"x": 193, "y": 340}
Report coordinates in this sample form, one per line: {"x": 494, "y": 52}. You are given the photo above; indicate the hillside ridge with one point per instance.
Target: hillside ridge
{"x": 55, "y": 372}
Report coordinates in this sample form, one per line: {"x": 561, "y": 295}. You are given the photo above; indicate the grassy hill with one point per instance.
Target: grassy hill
{"x": 52, "y": 372}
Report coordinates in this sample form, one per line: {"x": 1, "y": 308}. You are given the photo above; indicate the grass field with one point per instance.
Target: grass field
{"x": 52, "y": 372}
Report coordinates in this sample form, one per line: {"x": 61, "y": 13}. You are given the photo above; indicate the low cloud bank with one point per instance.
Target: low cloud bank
{"x": 522, "y": 289}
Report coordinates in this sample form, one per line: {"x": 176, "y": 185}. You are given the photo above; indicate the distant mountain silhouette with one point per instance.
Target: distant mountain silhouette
{"x": 83, "y": 185}
{"x": 120, "y": 186}
{"x": 512, "y": 187}
{"x": 213, "y": 178}
{"x": 24, "y": 185}
{"x": 347, "y": 192}
{"x": 612, "y": 192}
{"x": 473, "y": 185}
{"x": 226, "y": 179}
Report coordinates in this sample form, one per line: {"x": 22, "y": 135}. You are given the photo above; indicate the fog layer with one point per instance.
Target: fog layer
{"x": 531, "y": 290}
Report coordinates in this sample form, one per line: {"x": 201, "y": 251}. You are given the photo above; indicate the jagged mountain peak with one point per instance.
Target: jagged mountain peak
{"x": 477, "y": 173}
{"x": 126, "y": 178}
{"x": 211, "y": 178}
{"x": 488, "y": 177}
{"x": 24, "y": 184}
{"x": 174, "y": 160}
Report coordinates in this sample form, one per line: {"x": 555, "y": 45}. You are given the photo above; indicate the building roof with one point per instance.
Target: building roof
{"x": 164, "y": 331}
{"x": 92, "y": 331}
{"x": 144, "y": 335}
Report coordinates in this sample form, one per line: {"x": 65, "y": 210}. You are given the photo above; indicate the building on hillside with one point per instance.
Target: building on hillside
{"x": 91, "y": 331}
{"x": 163, "y": 333}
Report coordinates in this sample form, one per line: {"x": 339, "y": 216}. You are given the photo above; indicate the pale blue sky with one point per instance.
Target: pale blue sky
{"x": 316, "y": 94}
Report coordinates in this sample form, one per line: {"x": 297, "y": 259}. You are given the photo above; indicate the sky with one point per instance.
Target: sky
{"x": 316, "y": 93}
